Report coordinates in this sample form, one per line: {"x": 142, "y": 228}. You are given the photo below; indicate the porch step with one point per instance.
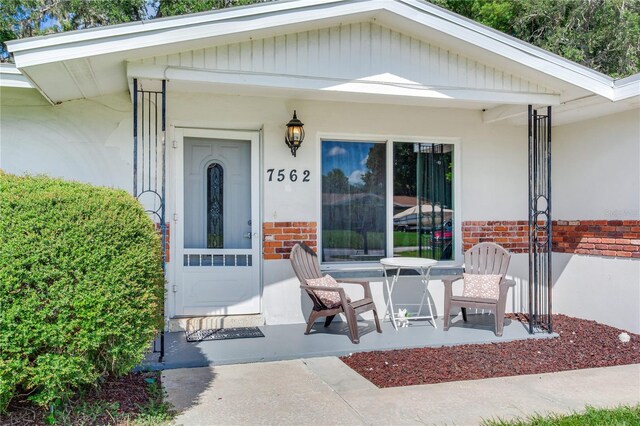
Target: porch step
{"x": 218, "y": 321}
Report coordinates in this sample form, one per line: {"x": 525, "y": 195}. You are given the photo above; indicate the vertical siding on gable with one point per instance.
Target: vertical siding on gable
{"x": 350, "y": 52}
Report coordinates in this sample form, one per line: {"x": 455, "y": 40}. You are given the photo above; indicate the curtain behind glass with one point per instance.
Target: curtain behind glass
{"x": 422, "y": 200}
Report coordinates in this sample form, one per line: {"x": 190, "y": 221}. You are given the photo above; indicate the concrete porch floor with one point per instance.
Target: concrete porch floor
{"x": 287, "y": 342}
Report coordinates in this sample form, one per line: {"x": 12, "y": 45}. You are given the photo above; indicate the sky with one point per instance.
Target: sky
{"x": 350, "y": 157}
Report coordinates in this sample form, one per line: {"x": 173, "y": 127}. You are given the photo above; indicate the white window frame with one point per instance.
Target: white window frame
{"x": 389, "y": 140}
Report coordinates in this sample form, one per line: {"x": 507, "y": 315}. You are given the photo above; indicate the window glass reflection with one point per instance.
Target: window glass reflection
{"x": 353, "y": 201}
{"x": 422, "y": 200}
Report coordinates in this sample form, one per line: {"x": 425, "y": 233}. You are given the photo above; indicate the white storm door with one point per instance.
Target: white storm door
{"x": 218, "y": 223}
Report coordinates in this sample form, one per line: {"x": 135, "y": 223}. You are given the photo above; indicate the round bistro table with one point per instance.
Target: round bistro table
{"x": 423, "y": 266}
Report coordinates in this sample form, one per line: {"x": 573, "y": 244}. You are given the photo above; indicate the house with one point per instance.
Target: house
{"x": 400, "y": 100}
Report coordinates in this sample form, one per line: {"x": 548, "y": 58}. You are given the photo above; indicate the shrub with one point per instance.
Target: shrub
{"x": 81, "y": 286}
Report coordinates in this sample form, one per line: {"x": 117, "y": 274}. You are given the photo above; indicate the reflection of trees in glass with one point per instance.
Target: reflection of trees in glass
{"x": 335, "y": 182}
{"x": 353, "y": 212}
{"x": 374, "y": 178}
{"x": 404, "y": 169}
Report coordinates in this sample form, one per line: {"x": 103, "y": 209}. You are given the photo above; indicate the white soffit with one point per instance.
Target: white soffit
{"x": 87, "y": 53}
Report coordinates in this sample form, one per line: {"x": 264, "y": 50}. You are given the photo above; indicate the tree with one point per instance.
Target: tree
{"x": 374, "y": 177}
{"x": 181, "y": 7}
{"x": 28, "y": 18}
{"x": 335, "y": 182}
{"x": 601, "y": 34}
{"x": 404, "y": 169}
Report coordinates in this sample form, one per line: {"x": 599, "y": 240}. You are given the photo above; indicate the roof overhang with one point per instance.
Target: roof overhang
{"x": 92, "y": 62}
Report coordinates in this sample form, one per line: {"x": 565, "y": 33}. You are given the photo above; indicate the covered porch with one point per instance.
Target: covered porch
{"x": 392, "y": 78}
{"x": 288, "y": 341}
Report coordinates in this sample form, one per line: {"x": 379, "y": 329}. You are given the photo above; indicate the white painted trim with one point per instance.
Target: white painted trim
{"x": 209, "y": 26}
{"x": 389, "y": 140}
{"x": 168, "y": 23}
{"x": 178, "y": 234}
{"x": 626, "y": 88}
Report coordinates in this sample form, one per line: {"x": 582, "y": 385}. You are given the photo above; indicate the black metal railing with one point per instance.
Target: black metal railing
{"x": 149, "y": 166}
{"x": 540, "y": 225}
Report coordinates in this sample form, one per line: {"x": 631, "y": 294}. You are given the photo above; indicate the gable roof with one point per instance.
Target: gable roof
{"x": 85, "y": 59}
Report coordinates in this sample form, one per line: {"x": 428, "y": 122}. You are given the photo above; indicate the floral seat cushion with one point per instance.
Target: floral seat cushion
{"x": 331, "y": 299}
{"x": 482, "y": 286}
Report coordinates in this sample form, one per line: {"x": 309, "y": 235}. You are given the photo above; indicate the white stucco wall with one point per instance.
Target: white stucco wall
{"x": 90, "y": 140}
{"x": 596, "y": 168}
{"x": 596, "y": 176}
{"x": 87, "y": 140}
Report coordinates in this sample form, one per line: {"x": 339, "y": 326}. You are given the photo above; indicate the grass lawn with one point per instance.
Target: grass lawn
{"x": 407, "y": 239}
{"x": 620, "y": 416}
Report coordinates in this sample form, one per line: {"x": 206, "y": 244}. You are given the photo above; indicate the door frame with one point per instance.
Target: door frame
{"x": 179, "y": 133}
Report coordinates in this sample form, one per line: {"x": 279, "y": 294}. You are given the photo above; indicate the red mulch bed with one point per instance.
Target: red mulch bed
{"x": 582, "y": 344}
{"x": 130, "y": 392}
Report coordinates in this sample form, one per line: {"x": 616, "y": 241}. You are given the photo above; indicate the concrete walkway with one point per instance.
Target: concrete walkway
{"x": 326, "y": 391}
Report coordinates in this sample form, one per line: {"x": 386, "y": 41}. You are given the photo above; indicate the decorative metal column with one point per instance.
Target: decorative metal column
{"x": 540, "y": 226}
{"x": 149, "y": 164}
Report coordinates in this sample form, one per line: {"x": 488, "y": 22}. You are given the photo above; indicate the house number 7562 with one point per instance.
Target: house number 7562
{"x": 282, "y": 174}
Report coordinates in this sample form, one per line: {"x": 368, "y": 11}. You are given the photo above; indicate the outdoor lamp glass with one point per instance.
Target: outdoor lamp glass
{"x": 295, "y": 134}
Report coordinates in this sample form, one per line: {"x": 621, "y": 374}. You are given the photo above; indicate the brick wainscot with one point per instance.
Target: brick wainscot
{"x": 280, "y": 237}
{"x": 609, "y": 238}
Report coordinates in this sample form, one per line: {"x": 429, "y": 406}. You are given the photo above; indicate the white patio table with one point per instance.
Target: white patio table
{"x": 423, "y": 266}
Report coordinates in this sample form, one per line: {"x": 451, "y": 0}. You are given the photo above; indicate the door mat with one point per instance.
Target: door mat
{"x": 223, "y": 334}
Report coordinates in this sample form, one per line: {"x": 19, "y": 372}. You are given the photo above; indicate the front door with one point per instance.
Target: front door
{"x": 218, "y": 222}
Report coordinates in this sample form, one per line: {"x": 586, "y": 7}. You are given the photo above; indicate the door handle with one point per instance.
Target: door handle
{"x": 247, "y": 235}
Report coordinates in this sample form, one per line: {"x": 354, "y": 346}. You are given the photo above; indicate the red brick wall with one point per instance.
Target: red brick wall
{"x": 611, "y": 238}
{"x": 168, "y": 241}
{"x": 510, "y": 234}
{"x": 280, "y": 237}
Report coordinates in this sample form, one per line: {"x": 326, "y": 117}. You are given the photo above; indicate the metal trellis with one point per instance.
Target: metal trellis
{"x": 149, "y": 166}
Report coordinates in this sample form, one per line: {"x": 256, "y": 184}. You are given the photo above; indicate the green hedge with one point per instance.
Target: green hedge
{"x": 81, "y": 286}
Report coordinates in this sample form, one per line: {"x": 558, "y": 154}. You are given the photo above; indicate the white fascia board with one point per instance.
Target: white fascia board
{"x": 509, "y": 47}
{"x": 168, "y": 23}
{"x": 190, "y": 28}
{"x": 628, "y": 87}
{"x": 369, "y": 87}
{"x": 10, "y": 76}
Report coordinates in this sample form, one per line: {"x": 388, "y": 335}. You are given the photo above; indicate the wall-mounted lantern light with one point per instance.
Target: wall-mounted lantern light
{"x": 295, "y": 134}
